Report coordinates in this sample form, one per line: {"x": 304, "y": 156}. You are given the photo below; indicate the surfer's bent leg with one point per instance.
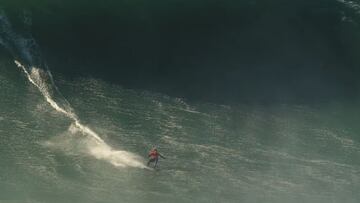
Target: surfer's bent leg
{"x": 156, "y": 160}
{"x": 150, "y": 160}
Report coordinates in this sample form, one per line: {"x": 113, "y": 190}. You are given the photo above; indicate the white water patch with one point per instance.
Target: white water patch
{"x": 97, "y": 147}
{"x": 117, "y": 158}
{"x": 35, "y": 78}
{"x": 102, "y": 151}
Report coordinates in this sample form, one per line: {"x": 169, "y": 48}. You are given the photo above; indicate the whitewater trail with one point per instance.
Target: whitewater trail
{"x": 35, "y": 79}
{"x": 98, "y": 149}
{"x": 27, "y": 50}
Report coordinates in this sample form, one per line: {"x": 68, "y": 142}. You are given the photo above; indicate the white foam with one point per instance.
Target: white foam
{"x": 28, "y": 50}
{"x": 118, "y": 158}
{"x": 99, "y": 149}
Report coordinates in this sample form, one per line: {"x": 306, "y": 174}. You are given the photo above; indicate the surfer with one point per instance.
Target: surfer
{"x": 154, "y": 156}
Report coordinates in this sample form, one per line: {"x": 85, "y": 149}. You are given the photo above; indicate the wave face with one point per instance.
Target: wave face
{"x": 242, "y": 153}
{"x": 84, "y": 101}
{"x": 224, "y": 51}
{"x": 25, "y": 49}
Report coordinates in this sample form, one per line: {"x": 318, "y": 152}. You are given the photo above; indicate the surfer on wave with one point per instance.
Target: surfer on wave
{"x": 154, "y": 156}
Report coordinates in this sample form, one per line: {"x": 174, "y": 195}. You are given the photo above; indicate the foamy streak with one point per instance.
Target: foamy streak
{"x": 44, "y": 91}
{"x": 102, "y": 151}
{"x": 27, "y": 50}
{"x": 97, "y": 147}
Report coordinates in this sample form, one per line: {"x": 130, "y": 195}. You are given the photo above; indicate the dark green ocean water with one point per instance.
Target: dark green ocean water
{"x": 250, "y": 101}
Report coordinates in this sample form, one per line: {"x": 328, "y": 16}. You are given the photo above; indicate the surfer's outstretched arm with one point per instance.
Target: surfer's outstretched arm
{"x": 162, "y": 156}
